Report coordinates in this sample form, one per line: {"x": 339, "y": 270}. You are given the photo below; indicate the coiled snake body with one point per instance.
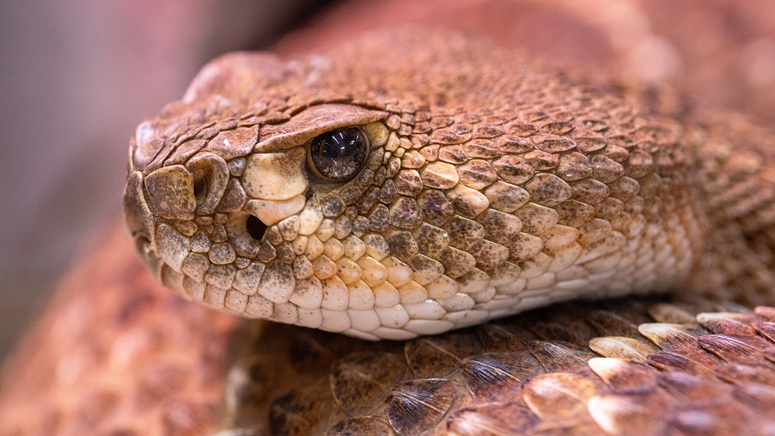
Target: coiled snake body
{"x": 412, "y": 183}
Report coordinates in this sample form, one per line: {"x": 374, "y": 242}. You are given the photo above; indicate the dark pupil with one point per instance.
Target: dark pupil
{"x": 339, "y": 154}
{"x": 339, "y": 144}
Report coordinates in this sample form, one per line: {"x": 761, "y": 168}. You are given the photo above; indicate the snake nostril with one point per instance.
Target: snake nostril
{"x": 255, "y": 227}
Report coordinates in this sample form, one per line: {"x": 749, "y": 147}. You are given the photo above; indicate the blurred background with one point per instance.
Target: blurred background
{"x": 77, "y": 77}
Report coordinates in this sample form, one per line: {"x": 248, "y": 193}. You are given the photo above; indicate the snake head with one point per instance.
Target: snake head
{"x": 355, "y": 193}
{"x": 266, "y": 195}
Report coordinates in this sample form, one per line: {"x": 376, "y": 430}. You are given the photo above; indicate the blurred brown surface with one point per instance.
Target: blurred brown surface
{"x": 120, "y": 356}
{"x": 720, "y": 53}
{"x": 79, "y": 76}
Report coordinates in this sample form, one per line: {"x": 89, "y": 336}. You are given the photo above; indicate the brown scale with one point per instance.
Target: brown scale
{"x": 529, "y": 374}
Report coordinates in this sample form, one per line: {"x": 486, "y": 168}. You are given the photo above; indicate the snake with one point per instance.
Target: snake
{"x": 401, "y": 197}
{"x": 364, "y": 196}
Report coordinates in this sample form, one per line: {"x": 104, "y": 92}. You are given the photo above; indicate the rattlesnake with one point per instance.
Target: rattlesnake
{"x": 415, "y": 182}
{"x": 411, "y": 183}
{"x": 384, "y": 199}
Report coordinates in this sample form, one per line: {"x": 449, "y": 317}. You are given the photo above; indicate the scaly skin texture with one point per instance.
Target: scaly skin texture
{"x": 620, "y": 367}
{"x": 118, "y": 355}
{"x": 494, "y": 185}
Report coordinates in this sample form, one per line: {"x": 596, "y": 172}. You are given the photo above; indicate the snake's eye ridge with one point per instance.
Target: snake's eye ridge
{"x": 338, "y": 155}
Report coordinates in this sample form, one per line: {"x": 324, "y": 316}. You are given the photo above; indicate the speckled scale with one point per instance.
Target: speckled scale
{"x": 417, "y": 405}
{"x": 491, "y": 420}
{"x": 359, "y": 380}
{"x": 623, "y": 376}
{"x": 559, "y": 396}
{"x": 491, "y": 376}
{"x": 692, "y": 389}
{"x": 561, "y": 332}
{"x": 609, "y": 323}
{"x": 300, "y": 411}
{"x": 555, "y": 355}
{"x": 434, "y": 356}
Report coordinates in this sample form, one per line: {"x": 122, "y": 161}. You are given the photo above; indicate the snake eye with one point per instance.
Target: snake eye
{"x": 339, "y": 154}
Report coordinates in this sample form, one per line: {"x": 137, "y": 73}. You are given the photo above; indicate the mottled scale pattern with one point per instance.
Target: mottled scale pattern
{"x": 494, "y": 185}
{"x": 618, "y": 367}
